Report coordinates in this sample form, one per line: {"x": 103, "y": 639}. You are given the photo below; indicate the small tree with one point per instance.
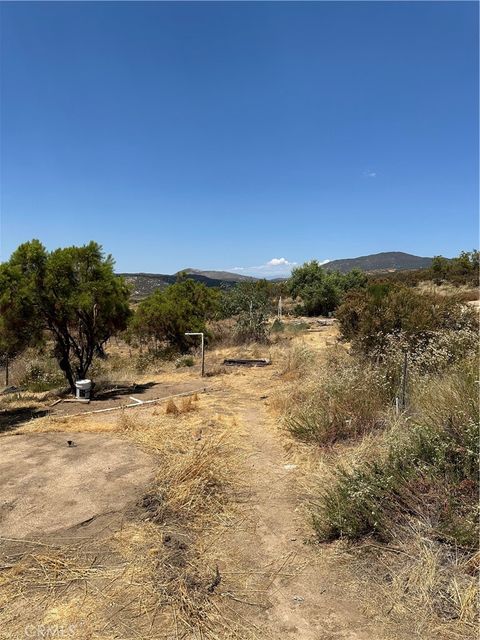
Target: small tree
{"x": 249, "y": 303}
{"x": 322, "y": 291}
{"x": 72, "y": 294}
{"x": 440, "y": 267}
{"x": 166, "y": 315}
{"x": 19, "y": 326}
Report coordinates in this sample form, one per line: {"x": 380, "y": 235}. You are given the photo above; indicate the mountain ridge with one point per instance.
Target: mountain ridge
{"x": 384, "y": 261}
{"x": 145, "y": 283}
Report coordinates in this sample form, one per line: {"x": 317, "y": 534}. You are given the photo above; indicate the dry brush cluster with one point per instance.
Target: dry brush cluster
{"x": 407, "y": 480}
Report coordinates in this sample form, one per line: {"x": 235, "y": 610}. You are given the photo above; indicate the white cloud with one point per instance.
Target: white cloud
{"x": 370, "y": 174}
{"x": 276, "y": 262}
{"x": 274, "y": 267}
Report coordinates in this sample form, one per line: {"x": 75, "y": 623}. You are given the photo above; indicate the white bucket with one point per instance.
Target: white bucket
{"x": 83, "y": 388}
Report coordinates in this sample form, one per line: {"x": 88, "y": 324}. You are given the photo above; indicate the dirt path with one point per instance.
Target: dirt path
{"x": 281, "y": 586}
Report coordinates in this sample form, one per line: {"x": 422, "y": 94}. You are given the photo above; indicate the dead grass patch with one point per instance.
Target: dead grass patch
{"x": 154, "y": 577}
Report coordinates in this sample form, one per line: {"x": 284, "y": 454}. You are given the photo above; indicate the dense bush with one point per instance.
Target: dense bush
{"x": 367, "y": 318}
{"x": 72, "y": 294}
{"x": 165, "y": 316}
{"x": 460, "y": 271}
{"x": 321, "y": 291}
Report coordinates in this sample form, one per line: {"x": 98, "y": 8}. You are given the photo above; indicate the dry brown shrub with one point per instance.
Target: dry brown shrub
{"x": 171, "y": 409}
{"x": 297, "y": 362}
{"x": 187, "y": 405}
{"x": 217, "y": 370}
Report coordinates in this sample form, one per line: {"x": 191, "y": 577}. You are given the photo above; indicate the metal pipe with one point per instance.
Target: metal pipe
{"x": 199, "y": 333}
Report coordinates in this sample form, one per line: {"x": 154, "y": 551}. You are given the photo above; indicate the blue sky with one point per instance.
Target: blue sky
{"x": 228, "y": 135}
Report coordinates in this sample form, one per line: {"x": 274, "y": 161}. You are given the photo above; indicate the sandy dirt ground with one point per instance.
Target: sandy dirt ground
{"x": 47, "y": 485}
{"x": 283, "y": 584}
{"x": 275, "y": 582}
{"x": 143, "y": 392}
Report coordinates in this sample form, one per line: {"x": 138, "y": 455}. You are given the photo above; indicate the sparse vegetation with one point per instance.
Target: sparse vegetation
{"x": 407, "y": 480}
{"x": 250, "y": 304}
{"x": 184, "y": 361}
{"x": 398, "y": 482}
{"x": 345, "y": 399}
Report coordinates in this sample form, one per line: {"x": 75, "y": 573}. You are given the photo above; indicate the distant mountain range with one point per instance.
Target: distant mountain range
{"x": 387, "y": 261}
{"x": 223, "y": 276}
{"x": 145, "y": 283}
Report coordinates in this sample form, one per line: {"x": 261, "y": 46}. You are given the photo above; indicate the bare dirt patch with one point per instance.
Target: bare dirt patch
{"x": 47, "y": 485}
{"x": 142, "y": 392}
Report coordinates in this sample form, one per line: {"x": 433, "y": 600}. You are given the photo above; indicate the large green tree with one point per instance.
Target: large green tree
{"x": 70, "y": 294}
{"x": 166, "y": 315}
{"x": 321, "y": 291}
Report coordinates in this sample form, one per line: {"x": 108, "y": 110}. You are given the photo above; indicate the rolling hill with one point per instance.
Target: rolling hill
{"x": 145, "y": 283}
{"x": 224, "y": 276}
{"x": 386, "y": 261}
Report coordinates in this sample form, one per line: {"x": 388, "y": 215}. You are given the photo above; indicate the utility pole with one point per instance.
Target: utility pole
{"x": 191, "y": 333}
{"x": 280, "y": 305}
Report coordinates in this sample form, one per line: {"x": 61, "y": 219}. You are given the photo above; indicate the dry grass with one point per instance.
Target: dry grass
{"x": 154, "y": 577}
{"x": 333, "y": 398}
{"x": 420, "y": 576}
{"x": 422, "y": 581}
{"x": 463, "y": 292}
{"x": 297, "y": 362}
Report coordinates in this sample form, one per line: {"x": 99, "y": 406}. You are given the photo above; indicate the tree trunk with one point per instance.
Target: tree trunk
{"x": 64, "y": 364}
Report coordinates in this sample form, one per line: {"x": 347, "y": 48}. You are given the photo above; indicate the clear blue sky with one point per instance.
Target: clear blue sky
{"x": 222, "y": 135}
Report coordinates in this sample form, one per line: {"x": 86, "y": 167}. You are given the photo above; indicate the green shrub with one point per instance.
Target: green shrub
{"x": 70, "y": 294}
{"x": 429, "y": 471}
{"x": 42, "y": 376}
{"x": 165, "y": 316}
{"x": 152, "y": 358}
{"x": 319, "y": 290}
{"x": 368, "y": 318}
{"x": 278, "y": 326}
{"x": 184, "y": 361}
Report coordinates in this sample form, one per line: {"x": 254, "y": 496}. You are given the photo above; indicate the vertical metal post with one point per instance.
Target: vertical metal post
{"x": 198, "y": 333}
{"x": 404, "y": 380}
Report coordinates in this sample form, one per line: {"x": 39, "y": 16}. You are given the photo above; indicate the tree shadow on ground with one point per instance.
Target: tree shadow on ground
{"x": 11, "y": 418}
{"x": 117, "y": 390}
